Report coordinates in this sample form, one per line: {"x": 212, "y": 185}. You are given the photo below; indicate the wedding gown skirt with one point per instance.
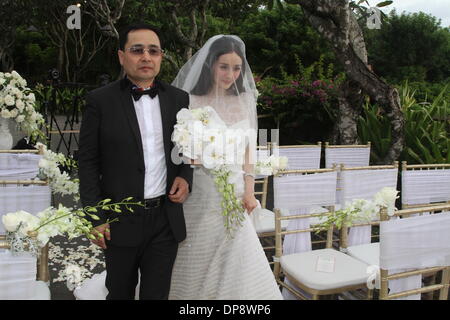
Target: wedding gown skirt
{"x": 210, "y": 264}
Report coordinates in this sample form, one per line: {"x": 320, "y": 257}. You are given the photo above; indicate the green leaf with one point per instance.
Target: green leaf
{"x": 384, "y": 4}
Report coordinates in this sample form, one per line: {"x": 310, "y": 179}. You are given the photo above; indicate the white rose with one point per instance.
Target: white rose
{"x": 33, "y": 116}
{"x": 20, "y": 118}
{"x": 15, "y": 75}
{"x": 2, "y": 100}
{"x": 9, "y": 100}
{"x": 5, "y": 114}
{"x": 12, "y": 84}
{"x": 19, "y": 94}
{"x": 31, "y": 97}
{"x": 30, "y": 222}
{"x": 20, "y": 105}
{"x": 14, "y": 113}
{"x": 283, "y": 162}
{"x": 10, "y": 221}
{"x": 184, "y": 115}
{"x": 2, "y": 81}
{"x": 265, "y": 171}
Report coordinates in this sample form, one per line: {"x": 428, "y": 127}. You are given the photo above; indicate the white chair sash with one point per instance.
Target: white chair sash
{"x": 300, "y": 157}
{"x": 425, "y": 186}
{"x": 17, "y": 276}
{"x": 19, "y": 166}
{"x": 348, "y": 156}
{"x": 30, "y": 198}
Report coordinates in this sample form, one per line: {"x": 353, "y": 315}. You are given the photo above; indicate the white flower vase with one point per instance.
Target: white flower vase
{"x": 6, "y": 139}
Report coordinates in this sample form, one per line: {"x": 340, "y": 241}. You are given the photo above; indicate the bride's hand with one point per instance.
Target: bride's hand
{"x": 249, "y": 202}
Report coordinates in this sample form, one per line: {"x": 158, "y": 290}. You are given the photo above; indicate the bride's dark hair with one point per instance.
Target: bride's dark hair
{"x": 221, "y": 46}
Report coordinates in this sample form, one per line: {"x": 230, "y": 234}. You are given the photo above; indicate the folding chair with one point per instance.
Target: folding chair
{"x": 425, "y": 184}
{"x": 419, "y": 244}
{"x": 295, "y": 192}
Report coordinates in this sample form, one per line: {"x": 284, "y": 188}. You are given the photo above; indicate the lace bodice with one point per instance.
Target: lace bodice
{"x": 231, "y": 109}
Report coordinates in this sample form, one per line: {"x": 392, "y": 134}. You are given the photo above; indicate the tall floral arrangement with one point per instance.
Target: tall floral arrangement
{"x": 17, "y": 102}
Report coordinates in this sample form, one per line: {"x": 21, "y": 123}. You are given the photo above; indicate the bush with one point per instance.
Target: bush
{"x": 427, "y": 129}
{"x": 300, "y": 105}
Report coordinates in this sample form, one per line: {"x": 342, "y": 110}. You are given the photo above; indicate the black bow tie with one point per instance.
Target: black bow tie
{"x": 138, "y": 92}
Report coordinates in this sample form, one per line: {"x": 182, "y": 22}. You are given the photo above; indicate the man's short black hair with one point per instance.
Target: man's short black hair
{"x": 123, "y": 37}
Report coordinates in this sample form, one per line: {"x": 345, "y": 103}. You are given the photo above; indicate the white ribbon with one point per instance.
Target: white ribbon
{"x": 373, "y": 281}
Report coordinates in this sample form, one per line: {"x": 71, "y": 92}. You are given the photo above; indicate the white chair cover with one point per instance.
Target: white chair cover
{"x": 364, "y": 184}
{"x": 297, "y": 194}
{"x": 425, "y": 186}
{"x": 17, "y": 276}
{"x": 348, "y": 156}
{"x": 413, "y": 243}
{"x": 31, "y": 198}
{"x": 300, "y": 158}
{"x": 19, "y": 166}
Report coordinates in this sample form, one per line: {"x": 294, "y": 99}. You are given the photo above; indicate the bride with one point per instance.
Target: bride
{"x": 210, "y": 264}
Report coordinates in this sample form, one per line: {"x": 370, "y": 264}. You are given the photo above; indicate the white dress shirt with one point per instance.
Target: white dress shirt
{"x": 148, "y": 114}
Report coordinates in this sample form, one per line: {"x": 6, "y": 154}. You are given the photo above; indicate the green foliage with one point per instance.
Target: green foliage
{"x": 66, "y": 99}
{"x": 274, "y": 38}
{"x": 302, "y": 102}
{"x": 427, "y": 129}
{"x": 410, "y": 46}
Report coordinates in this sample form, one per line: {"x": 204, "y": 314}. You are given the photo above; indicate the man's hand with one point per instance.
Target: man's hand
{"x": 179, "y": 191}
{"x": 104, "y": 230}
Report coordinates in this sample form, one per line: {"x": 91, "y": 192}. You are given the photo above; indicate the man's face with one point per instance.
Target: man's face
{"x": 141, "y": 68}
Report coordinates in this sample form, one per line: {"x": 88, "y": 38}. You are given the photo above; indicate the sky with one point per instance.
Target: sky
{"x": 438, "y": 8}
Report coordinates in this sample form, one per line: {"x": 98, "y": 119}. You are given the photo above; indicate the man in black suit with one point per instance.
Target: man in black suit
{"x": 125, "y": 151}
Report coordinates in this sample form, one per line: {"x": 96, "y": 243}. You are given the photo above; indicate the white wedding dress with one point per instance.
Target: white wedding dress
{"x": 210, "y": 265}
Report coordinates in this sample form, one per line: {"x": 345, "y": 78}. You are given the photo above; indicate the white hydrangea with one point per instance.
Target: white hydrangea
{"x": 17, "y": 103}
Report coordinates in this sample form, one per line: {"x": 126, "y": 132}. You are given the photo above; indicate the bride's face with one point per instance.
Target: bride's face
{"x": 227, "y": 69}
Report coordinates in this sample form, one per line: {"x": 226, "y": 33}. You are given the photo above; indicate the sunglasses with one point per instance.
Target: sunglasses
{"x": 139, "y": 51}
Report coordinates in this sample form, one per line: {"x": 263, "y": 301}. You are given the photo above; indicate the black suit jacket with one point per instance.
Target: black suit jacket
{"x": 111, "y": 160}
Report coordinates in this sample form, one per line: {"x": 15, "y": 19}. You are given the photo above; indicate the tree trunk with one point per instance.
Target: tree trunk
{"x": 334, "y": 20}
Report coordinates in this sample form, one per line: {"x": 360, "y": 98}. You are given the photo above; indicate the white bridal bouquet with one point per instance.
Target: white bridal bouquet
{"x": 362, "y": 210}
{"x": 271, "y": 165}
{"x": 17, "y": 103}
{"x": 201, "y": 136}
